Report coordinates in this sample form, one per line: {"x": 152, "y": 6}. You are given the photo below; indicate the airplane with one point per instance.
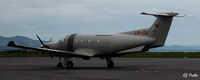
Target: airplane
{"x": 107, "y": 46}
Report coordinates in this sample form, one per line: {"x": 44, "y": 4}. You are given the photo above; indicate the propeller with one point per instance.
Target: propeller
{"x": 40, "y": 39}
{"x": 43, "y": 45}
{"x": 50, "y": 39}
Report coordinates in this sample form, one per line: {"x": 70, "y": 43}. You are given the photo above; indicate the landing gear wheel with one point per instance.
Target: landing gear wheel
{"x": 70, "y": 65}
{"x": 59, "y": 65}
{"x": 110, "y": 64}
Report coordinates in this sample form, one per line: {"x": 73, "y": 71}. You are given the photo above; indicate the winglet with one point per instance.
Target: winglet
{"x": 11, "y": 43}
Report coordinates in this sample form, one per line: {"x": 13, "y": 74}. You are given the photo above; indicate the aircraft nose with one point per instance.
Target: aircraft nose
{"x": 45, "y": 46}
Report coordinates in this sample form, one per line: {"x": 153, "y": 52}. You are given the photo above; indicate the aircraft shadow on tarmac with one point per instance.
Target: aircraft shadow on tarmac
{"x": 75, "y": 68}
{"x": 81, "y": 68}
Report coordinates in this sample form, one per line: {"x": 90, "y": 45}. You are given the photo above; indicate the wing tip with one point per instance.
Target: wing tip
{"x": 11, "y": 43}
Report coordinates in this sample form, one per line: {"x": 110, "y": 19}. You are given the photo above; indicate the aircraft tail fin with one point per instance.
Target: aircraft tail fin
{"x": 160, "y": 28}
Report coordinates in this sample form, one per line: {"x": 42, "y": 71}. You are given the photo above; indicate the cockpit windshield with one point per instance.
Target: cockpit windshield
{"x": 62, "y": 40}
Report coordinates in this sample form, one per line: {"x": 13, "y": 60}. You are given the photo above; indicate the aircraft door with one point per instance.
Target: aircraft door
{"x": 70, "y": 42}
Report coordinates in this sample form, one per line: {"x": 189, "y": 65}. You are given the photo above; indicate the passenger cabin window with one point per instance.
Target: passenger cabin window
{"x": 76, "y": 40}
{"x": 88, "y": 41}
{"x": 98, "y": 41}
{"x": 81, "y": 40}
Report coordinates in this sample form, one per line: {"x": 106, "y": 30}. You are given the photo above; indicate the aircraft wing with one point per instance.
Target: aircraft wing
{"x": 86, "y": 51}
{"x": 132, "y": 50}
{"x": 52, "y": 51}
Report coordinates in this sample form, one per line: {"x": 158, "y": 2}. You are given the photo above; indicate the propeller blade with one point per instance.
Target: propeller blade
{"x": 40, "y": 39}
{"x": 50, "y": 39}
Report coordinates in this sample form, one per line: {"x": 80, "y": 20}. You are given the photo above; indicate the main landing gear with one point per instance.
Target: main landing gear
{"x": 67, "y": 63}
{"x": 110, "y": 63}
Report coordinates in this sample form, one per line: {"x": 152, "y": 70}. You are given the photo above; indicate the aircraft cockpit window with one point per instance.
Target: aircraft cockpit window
{"x": 62, "y": 40}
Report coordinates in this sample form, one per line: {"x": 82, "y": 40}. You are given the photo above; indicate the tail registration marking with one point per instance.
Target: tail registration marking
{"x": 141, "y": 32}
{"x": 156, "y": 25}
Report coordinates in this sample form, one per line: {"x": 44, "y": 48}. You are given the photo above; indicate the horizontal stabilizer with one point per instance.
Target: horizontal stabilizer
{"x": 161, "y": 14}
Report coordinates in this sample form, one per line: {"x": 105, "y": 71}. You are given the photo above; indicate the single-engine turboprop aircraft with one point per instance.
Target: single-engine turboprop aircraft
{"x": 107, "y": 46}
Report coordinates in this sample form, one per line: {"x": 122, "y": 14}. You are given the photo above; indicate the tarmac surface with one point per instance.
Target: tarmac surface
{"x": 43, "y": 68}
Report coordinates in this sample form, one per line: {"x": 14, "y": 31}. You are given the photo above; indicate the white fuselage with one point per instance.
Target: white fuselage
{"x": 102, "y": 44}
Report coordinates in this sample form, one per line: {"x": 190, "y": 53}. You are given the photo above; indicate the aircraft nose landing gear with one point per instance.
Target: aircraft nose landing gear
{"x": 59, "y": 65}
{"x": 68, "y": 64}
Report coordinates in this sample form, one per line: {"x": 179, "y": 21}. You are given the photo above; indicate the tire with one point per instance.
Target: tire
{"x": 110, "y": 64}
{"x": 70, "y": 65}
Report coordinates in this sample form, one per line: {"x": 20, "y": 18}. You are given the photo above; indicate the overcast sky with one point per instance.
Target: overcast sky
{"x": 57, "y": 18}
